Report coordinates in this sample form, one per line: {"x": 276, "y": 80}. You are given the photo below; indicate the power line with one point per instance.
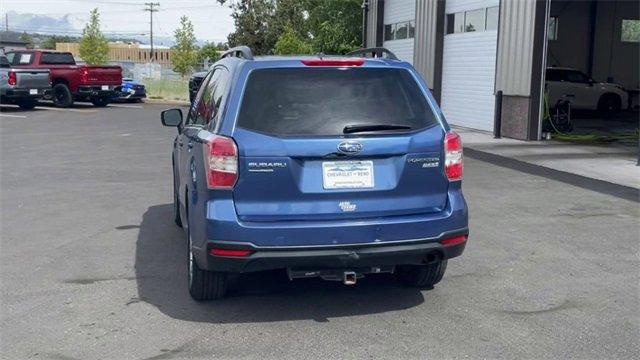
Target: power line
{"x": 151, "y": 10}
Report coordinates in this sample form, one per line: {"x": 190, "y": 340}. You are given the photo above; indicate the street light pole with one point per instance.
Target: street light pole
{"x": 151, "y": 10}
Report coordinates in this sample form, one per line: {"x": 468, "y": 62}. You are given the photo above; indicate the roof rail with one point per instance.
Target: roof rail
{"x": 238, "y": 51}
{"x": 375, "y": 52}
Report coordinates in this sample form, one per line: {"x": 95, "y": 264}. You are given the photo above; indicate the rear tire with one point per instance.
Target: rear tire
{"x": 609, "y": 104}
{"x": 421, "y": 276}
{"x": 204, "y": 284}
{"x": 100, "y": 102}
{"x": 27, "y": 104}
{"x": 61, "y": 96}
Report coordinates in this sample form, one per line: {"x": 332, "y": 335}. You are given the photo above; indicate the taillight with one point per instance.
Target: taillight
{"x": 12, "y": 78}
{"x": 229, "y": 252}
{"x": 453, "y": 156}
{"x": 333, "y": 62}
{"x": 84, "y": 75}
{"x": 454, "y": 240}
{"x": 221, "y": 162}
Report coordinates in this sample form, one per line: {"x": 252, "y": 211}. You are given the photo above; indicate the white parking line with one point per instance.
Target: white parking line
{"x": 66, "y": 109}
{"x": 15, "y": 116}
{"x": 127, "y": 106}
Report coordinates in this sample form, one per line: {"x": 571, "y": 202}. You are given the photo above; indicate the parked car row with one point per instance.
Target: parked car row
{"x": 31, "y": 75}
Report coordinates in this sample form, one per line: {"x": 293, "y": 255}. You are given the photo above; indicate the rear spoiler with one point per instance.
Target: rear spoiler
{"x": 374, "y": 52}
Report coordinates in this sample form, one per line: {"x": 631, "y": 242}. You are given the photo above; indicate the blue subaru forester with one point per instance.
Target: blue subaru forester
{"x": 330, "y": 167}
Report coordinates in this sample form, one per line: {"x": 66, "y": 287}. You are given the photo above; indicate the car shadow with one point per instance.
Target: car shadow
{"x": 160, "y": 267}
{"x": 76, "y": 104}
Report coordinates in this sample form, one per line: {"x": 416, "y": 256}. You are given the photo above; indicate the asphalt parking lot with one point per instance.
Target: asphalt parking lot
{"x": 92, "y": 266}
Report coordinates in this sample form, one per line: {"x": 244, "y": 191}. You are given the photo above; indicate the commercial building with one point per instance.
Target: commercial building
{"x": 485, "y": 60}
{"x": 120, "y": 51}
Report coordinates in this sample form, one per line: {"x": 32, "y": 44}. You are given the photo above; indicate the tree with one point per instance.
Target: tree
{"x": 94, "y": 48}
{"x": 253, "y": 20}
{"x": 185, "y": 55}
{"x": 335, "y": 25}
{"x": 291, "y": 43}
{"x": 210, "y": 51}
{"x": 27, "y": 39}
{"x": 292, "y": 15}
{"x": 330, "y": 26}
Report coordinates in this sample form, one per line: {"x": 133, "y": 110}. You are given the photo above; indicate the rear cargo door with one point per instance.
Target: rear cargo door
{"x": 323, "y": 143}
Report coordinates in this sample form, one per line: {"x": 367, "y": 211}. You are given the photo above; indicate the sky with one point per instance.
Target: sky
{"x": 211, "y": 21}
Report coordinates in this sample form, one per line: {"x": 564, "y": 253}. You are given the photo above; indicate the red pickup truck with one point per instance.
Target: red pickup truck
{"x": 71, "y": 81}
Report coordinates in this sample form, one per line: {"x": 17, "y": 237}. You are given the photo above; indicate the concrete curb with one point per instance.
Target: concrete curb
{"x": 601, "y": 186}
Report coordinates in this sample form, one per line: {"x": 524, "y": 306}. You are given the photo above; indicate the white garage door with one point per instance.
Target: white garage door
{"x": 399, "y": 20}
{"x": 469, "y": 61}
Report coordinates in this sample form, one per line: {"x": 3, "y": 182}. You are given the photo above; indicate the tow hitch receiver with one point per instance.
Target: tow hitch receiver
{"x": 346, "y": 276}
{"x": 349, "y": 278}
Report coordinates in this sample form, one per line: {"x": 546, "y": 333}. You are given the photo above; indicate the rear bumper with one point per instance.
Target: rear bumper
{"x": 414, "y": 252}
{"x": 326, "y": 244}
{"x": 95, "y": 91}
{"x": 25, "y": 93}
{"x": 126, "y": 95}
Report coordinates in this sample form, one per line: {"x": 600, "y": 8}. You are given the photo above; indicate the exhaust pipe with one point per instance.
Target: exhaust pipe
{"x": 349, "y": 278}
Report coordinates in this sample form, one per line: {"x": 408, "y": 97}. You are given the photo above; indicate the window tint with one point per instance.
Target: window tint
{"x": 492, "y": 18}
{"x": 57, "y": 59}
{"x": 474, "y": 20}
{"x": 205, "y": 110}
{"x": 197, "y": 104}
{"x": 10, "y": 57}
{"x": 322, "y": 101}
{"x": 212, "y": 96}
{"x": 20, "y": 58}
{"x": 630, "y": 31}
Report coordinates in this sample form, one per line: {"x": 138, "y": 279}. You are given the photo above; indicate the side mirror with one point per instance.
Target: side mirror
{"x": 172, "y": 117}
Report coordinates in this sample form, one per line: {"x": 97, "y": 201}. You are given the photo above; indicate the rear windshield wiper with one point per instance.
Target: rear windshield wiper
{"x": 350, "y": 129}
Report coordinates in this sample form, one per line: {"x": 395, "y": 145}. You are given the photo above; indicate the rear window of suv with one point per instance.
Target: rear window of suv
{"x": 322, "y": 101}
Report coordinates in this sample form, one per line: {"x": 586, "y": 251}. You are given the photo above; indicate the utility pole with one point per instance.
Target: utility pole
{"x": 151, "y": 10}
{"x": 6, "y": 21}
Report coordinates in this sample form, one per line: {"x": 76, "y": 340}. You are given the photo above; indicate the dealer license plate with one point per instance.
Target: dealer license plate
{"x": 33, "y": 91}
{"x": 347, "y": 174}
